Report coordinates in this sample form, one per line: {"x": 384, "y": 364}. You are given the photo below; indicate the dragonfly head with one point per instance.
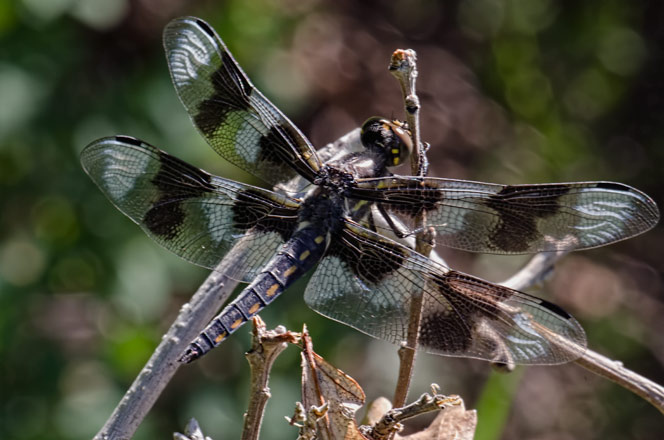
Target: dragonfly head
{"x": 391, "y": 139}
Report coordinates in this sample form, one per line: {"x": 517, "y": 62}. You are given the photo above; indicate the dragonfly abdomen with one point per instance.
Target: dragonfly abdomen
{"x": 295, "y": 258}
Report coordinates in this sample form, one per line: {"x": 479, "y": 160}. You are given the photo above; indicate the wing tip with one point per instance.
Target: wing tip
{"x": 205, "y": 27}
{"x": 640, "y": 195}
{"x": 175, "y": 26}
{"x": 128, "y": 140}
{"x": 90, "y": 150}
{"x": 555, "y": 309}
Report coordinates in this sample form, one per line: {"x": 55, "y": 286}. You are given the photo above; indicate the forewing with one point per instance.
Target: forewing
{"x": 197, "y": 216}
{"x": 237, "y": 121}
{"x": 513, "y": 219}
{"x": 368, "y": 282}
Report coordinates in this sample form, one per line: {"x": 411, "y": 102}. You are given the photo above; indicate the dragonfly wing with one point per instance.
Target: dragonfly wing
{"x": 197, "y": 216}
{"x": 368, "y": 282}
{"x": 238, "y": 122}
{"x": 513, "y": 219}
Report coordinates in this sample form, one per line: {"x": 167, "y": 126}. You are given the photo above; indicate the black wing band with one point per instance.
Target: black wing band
{"x": 490, "y": 218}
{"x": 368, "y": 282}
{"x": 237, "y": 121}
{"x": 197, "y": 216}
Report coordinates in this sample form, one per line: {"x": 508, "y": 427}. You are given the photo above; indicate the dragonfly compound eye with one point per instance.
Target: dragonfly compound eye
{"x": 390, "y": 138}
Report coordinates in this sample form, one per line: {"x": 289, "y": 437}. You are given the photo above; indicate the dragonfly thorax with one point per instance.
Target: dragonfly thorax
{"x": 334, "y": 179}
{"x": 323, "y": 207}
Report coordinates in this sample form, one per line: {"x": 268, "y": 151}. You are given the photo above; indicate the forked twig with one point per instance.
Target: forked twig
{"x": 391, "y": 422}
{"x": 266, "y": 346}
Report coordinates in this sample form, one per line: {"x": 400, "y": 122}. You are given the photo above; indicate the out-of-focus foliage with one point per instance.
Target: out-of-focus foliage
{"x": 513, "y": 91}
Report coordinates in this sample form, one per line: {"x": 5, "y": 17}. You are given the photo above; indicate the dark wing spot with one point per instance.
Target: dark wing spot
{"x": 231, "y": 93}
{"x": 274, "y": 148}
{"x": 176, "y": 181}
{"x": 280, "y": 149}
{"x": 176, "y": 175}
{"x": 425, "y": 198}
{"x": 253, "y": 210}
{"x": 165, "y": 220}
{"x": 440, "y": 330}
{"x": 613, "y": 186}
{"x": 555, "y": 309}
{"x": 205, "y": 27}
{"x": 236, "y": 73}
{"x": 449, "y": 326}
{"x": 129, "y": 140}
{"x": 369, "y": 263}
{"x": 211, "y": 114}
{"x": 518, "y": 208}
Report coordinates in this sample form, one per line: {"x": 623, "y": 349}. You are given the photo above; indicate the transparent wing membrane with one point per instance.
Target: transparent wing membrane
{"x": 490, "y": 218}
{"x": 197, "y": 216}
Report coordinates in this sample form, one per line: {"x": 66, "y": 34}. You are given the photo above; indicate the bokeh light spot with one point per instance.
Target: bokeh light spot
{"x": 622, "y": 51}
{"x": 481, "y": 17}
{"x": 47, "y": 10}
{"x": 100, "y": 14}
{"x": 21, "y": 262}
{"x": 589, "y": 95}
{"x": 54, "y": 220}
{"x": 20, "y": 94}
{"x": 529, "y": 93}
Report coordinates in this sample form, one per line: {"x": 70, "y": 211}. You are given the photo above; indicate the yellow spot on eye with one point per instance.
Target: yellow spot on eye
{"x": 272, "y": 290}
{"x": 290, "y": 271}
{"x": 396, "y": 161}
{"x": 381, "y": 184}
{"x": 319, "y": 239}
{"x": 254, "y": 308}
{"x": 220, "y": 338}
{"x": 237, "y": 323}
{"x": 395, "y": 151}
{"x": 304, "y": 255}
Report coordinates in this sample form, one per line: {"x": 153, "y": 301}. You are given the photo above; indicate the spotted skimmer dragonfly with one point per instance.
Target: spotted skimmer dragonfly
{"x": 364, "y": 279}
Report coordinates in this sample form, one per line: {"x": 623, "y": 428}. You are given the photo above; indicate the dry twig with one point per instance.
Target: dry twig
{"x": 535, "y": 271}
{"x": 403, "y": 67}
{"x": 266, "y": 346}
{"x": 163, "y": 363}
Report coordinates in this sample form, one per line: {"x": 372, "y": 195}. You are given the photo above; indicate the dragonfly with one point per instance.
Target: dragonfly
{"x": 346, "y": 217}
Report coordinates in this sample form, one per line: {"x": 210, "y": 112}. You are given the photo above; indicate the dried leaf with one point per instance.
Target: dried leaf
{"x": 323, "y": 384}
{"x": 453, "y": 423}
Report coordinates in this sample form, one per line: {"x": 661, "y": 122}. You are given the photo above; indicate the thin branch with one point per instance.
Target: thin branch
{"x": 616, "y": 372}
{"x": 403, "y": 66}
{"x": 535, "y": 271}
{"x": 163, "y": 363}
{"x": 391, "y": 422}
{"x": 266, "y": 346}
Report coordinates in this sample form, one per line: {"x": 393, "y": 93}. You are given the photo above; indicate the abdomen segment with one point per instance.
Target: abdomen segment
{"x": 294, "y": 258}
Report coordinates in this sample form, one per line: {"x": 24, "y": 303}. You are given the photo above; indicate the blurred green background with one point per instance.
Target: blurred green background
{"x": 513, "y": 91}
